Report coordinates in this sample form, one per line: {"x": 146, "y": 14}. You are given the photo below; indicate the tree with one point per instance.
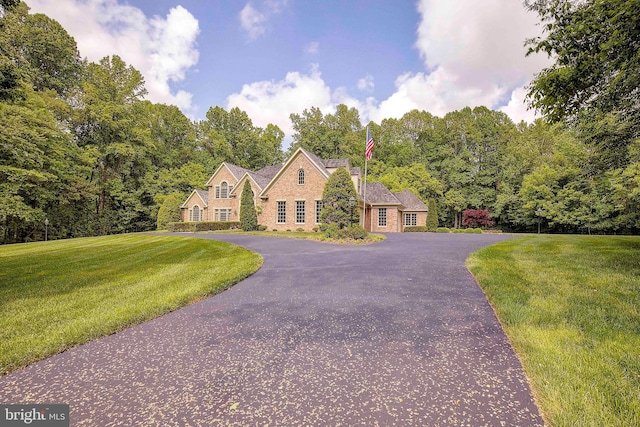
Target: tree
{"x": 595, "y": 47}
{"x": 477, "y": 218}
{"x": 432, "y": 215}
{"x": 248, "y": 215}
{"x": 108, "y": 129}
{"x": 336, "y": 196}
{"x": 331, "y": 136}
{"x": 169, "y": 210}
{"x": 594, "y": 82}
{"x": 231, "y": 136}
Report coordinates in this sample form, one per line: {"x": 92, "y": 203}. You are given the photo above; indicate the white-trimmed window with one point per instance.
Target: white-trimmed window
{"x": 222, "y": 215}
{"x": 300, "y": 212}
{"x": 382, "y": 217}
{"x": 318, "y": 210}
{"x": 223, "y": 190}
{"x": 281, "y": 214}
{"x": 411, "y": 219}
{"x": 301, "y": 177}
{"x": 195, "y": 214}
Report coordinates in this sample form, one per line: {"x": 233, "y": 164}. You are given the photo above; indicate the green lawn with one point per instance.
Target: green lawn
{"x": 306, "y": 235}
{"x": 57, "y": 294}
{"x": 571, "y": 307}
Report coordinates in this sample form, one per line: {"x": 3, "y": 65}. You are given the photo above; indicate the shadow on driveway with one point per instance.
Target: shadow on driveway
{"x": 394, "y": 333}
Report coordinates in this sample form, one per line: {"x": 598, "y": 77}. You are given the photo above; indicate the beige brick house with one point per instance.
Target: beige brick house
{"x": 289, "y": 197}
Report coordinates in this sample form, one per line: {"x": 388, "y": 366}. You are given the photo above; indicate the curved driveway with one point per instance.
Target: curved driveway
{"x": 395, "y": 333}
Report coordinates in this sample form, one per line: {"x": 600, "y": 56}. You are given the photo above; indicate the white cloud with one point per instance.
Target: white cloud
{"x": 366, "y": 84}
{"x": 312, "y": 48}
{"x": 474, "y": 55}
{"x": 163, "y": 49}
{"x": 273, "y": 101}
{"x": 254, "y": 21}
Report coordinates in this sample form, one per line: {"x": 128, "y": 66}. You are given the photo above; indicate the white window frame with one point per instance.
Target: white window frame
{"x": 280, "y": 212}
{"x": 301, "y": 176}
{"x": 410, "y": 219}
{"x": 318, "y": 210}
{"x": 224, "y": 190}
{"x": 219, "y": 213}
{"x": 382, "y": 219}
{"x": 301, "y": 213}
{"x": 196, "y": 214}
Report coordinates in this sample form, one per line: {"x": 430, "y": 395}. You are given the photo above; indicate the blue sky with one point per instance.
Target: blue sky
{"x": 272, "y": 58}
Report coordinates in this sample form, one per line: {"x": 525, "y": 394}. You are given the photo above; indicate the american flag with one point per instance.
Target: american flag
{"x": 368, "y": 152}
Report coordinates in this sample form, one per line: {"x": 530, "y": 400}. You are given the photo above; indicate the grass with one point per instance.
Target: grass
{"x": 571, "y": 307}
{"x": 57, "y": 294}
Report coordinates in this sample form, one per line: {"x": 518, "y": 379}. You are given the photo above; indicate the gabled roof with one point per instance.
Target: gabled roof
{"x": 410, "y": 201}
{"x": 202, "y": 194}
{"x": 237, "y": 172}
{"x": 269, "y": 171}
{"x": 336, "y": 163}
{"x": 259, "y": 180}
{"x": 378, "y": 194}
{"x": 315, "y": 160}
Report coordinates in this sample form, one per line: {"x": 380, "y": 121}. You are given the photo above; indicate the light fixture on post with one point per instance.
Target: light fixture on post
{"x": 352, "y": 202}
{"x": 46, "y": 229}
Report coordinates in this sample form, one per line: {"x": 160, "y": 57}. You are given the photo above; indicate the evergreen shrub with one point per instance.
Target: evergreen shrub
{"x": 191, "y": 227}
{"x": 416, "y": 229}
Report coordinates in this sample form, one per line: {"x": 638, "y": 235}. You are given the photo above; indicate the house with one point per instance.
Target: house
{"x": 289, "y": 197}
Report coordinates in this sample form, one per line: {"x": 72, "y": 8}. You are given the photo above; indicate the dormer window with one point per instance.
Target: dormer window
{"x": 301, "y": 177}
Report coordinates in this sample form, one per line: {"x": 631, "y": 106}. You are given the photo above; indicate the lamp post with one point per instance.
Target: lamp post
{"x": 46, "y": 229}
{"x": 352, "y": 202}
{"x": 539, "y": 213}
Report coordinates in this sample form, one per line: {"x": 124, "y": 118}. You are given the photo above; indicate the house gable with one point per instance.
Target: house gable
{"x": 200, "y": 196}
{"x": 314, "y": 161}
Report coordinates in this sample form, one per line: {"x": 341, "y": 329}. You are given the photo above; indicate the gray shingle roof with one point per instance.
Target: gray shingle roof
{"x": 410, "y": 201}
{"x": 269, "y": 171}
{"x": 336, "y": 163}
{"x": 204, "y": 194}
{"x": 378, "y": 194}
{"x": 261, "y": 180}
{"x": 237, "y": 171}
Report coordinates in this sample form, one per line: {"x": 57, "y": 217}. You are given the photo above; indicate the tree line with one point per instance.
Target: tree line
{"x": 81, "y": 147}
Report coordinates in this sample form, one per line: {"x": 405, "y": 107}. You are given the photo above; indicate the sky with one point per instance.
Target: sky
{"x": 272, "y": 58}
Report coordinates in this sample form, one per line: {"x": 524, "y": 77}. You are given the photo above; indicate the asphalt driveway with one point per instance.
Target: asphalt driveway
{"x": 395, "y": 333}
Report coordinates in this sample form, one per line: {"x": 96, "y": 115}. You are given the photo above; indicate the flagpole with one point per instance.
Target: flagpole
{"x": 364, "y": 194}
{"x": 364, "y": 197}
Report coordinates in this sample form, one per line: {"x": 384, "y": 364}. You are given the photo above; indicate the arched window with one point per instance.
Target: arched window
{"x": 195, "y": 213}
{"x": 224, "y": 190}
{"x": 301, "y": 177}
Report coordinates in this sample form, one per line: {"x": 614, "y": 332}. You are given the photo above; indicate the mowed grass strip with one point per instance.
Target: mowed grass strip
{"x": 571, "y": 307}
{"x": 56, "y": 294}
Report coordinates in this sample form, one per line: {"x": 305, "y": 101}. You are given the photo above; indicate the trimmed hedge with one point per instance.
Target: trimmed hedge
{"x": 442, "y": 230}
{"x": 192, "y": 227}
{"x": 416, "y": 229}
{"x": 473, "y": 231}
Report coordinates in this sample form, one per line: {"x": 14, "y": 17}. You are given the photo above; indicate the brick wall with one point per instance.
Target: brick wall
{"x": 287, "y": 189}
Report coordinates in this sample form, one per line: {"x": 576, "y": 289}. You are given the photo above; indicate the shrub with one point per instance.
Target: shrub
{"x": 248, "y": 215}
{"x": 355, "y": 232}
{"x": 203, "y": 226}
{"x": 432, "y": 216}
{"x": 169, "y": 210}
{"x": 477, "y": 218}
{"x": 262, "y": 228}
{"x": 416, "y": 229}
{"x": 299, "y": 229}
{"x": 442, "y": 230}
{"x": 330, "y": 230}
{"x": 457, "y": 230}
